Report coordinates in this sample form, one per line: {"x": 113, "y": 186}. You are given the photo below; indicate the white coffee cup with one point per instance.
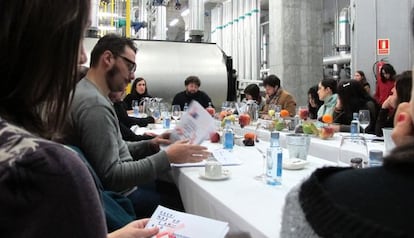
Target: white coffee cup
{"x": 213, "y": 169}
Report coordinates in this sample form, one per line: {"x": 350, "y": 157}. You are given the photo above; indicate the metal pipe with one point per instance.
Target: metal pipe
{"x": 255, "y": 24}
{"x": 247, "y": 40}
{"x": 337, "y": 59}
{"x": 143, "y": 17}
{"x": 161, "y": 23}
{"x": 235, "y": 45}
{"x": 196, "y": 20}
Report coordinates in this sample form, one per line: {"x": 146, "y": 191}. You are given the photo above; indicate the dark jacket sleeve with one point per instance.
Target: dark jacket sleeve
{"x": 129, "y": 135}
{"x": 383, "y": 121}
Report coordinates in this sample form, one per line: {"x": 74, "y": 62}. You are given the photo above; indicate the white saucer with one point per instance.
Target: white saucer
{"x": 226, "y": 175}
{"x": 294, "y": 164}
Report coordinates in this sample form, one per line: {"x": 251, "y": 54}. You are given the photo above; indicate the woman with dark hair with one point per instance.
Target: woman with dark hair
{"x": 351, "y": 98}
{"x": 313, "y": 102}
{"x": 401, "y": 92}
{"x": 252, "y": 92}
{"x": 327, "y": 94}
{"x": 46, "y": 189}
{"x": 360, "y": 77}
{"x": 139, "y": 91}
{"x": 347, "y": 202}
{"x": 384, "y": 86}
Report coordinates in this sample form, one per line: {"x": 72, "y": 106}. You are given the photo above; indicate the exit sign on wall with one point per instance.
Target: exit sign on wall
{"x": 383, "y": 46}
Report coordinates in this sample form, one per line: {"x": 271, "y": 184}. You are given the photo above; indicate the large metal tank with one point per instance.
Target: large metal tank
{"x": 165, "y": 65}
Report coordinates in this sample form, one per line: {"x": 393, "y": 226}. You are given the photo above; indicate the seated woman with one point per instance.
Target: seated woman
{"x": 352, "y": 97}
{"x": 313, "y": 102}
{"x": 125, "y": 121}
{"x": 360, "y": 77}
{"x": 252, "y": 92}
{"x": 327, "y": 93}
{"x": 139, "y": 91}
{"x": 401, "y": 92}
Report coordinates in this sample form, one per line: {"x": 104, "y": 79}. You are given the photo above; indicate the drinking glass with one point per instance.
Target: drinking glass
{"x": 303, "y": 112}
{"x": 175, "y": 112}
{"x": 352, "y": 147}
{"x": 262, "y": 176}
{"x": 364, "y": 119}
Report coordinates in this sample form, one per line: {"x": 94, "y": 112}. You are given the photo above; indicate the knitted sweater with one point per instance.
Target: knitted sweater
{"x": 344, "y": 202}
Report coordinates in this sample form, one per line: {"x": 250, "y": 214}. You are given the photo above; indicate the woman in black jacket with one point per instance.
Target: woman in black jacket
{"x": 139, "y": 91}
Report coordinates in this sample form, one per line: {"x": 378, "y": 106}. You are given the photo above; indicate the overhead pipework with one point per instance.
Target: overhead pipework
{"x": 342, "y": 59}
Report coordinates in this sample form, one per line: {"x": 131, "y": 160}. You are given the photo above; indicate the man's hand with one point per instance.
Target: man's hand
{"x": 182, "y": 152}
{"x": 163, "y": 139}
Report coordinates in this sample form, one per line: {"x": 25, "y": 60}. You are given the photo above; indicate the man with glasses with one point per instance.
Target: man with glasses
{"x": 93, "y": 127}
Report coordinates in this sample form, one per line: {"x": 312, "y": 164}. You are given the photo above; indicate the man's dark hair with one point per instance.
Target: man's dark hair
{"x": 112, "y": 42}
{"x": 192, "y": 79}
{"x": 271, "y": 80}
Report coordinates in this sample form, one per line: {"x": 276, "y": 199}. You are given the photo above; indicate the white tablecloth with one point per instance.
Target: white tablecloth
{"x": 251, "y": 207}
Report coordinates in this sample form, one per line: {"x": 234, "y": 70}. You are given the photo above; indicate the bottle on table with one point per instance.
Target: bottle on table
{"x": 185, "y": 107}
{"x": 274, "y": 160}
{"x": 228, "y": 136}
{"x": 355, "y": 124}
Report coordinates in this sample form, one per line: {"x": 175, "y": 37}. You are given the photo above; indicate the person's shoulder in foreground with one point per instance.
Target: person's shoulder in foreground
{"x": 344, "y": 202}
{"x": 39, "y": 182}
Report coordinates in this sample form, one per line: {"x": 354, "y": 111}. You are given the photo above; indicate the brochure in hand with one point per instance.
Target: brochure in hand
{"x": 195, "y": 125}
{"x": 183, "y": 225}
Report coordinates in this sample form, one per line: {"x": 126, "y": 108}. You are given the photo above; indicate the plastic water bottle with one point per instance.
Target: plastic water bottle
{"x": 185, "y": 108}
{"x": 274, "y": 157}
{"x": 355, "y": 125}
{"x": 136, "y": 110}
{"x": 228, "y": 136}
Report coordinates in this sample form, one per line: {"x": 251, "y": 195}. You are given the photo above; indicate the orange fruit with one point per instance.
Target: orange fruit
{"x": 222, "y": 115}
{"x": 249, "y": 135}
{"x": 284, "y": 113}
{"x": 327, "y": 118}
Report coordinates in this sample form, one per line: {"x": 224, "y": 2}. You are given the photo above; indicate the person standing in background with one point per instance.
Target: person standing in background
{"x": 192, "y": 92}
{"x": 384, "y": 86}
{"x": 360, "y": 77}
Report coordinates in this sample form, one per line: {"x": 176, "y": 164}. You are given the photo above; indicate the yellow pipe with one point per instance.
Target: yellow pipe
{"x": 112, "y": 12}
{"x": 128, "y": 18}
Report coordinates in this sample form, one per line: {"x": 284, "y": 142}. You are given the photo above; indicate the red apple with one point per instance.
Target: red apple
{"x": 244, "y": 120}
{"x": 214, "y": 137}
{"x": 326, "y": 132}
{"x": 211, "y": 110}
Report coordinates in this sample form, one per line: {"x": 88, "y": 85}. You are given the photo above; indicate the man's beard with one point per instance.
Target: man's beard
{"x": 190, "y": 94}
{"x": 110, "y": 79}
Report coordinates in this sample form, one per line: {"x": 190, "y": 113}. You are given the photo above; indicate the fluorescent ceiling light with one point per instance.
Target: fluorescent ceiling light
{"x": 173, "y": 22}
{"x": 185, "y": 12}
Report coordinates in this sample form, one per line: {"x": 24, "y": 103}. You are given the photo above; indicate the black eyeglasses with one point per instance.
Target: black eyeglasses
{"x": 130, "y": 64}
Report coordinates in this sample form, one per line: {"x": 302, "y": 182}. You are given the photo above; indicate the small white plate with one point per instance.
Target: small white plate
{"x": 226, "y": 175}
{"x": 294, "y": 164}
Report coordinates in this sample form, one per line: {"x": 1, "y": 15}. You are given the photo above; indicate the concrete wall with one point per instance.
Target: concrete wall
{"x": 295, "y": 45}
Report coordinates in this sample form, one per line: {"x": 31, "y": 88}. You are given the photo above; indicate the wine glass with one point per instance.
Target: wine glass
{"x": 364, "y": 119}
{"x": 262, "y": 176}
{"x": 352, "y": 147}
{"x": 175, "y": 112}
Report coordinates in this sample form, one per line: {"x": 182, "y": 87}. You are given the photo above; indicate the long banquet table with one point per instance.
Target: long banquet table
{"x": 252, "y": 208}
